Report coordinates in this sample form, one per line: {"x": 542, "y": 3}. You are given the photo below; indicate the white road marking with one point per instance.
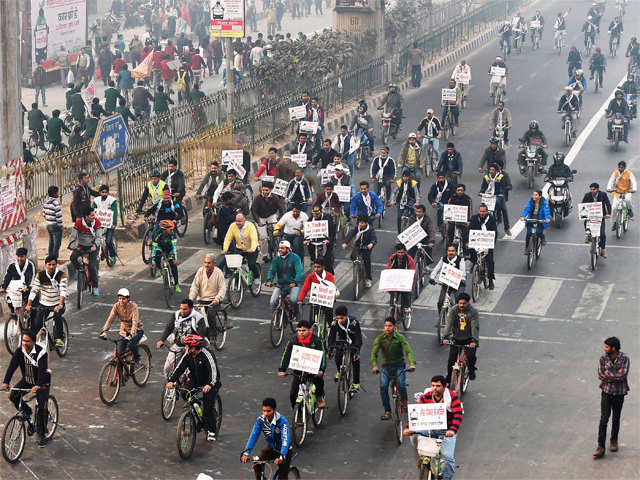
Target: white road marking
{"x": 539, "y": 297}
{"x": 497, "y": 339}
{"x": 593, "y": 301}
{"x": 569, "y": 244}
{"x": 490, "y": 298}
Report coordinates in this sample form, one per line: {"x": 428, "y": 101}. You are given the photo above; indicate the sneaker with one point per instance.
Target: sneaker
{"x": 598, "y": 452}
{"x": 491, "y": 285}
{"x": 158, "y": 272}
{"x": 385, "y": 416}
{"x": 95, "y": 292}
{"x": 367, "y": 283}
{"x": 178, "y": 289}
{"x": 472, "y": 375}
{"x": 587, "y": 238}
{"x": 336, "y": 378}
{"x": 356, "y": 388}
{"x": 507, "y": 232}
{"x": 613, "y": 447}
{"x": 42, "y": 442}
{"x": 603, "y": 253}
{"x": 211, "y": 437}
{"x": 59, "y": 343}
{"x": 614, "y": 227}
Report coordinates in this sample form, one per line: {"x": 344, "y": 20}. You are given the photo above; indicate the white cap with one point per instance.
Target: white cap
{"x": 339, "y": 167}
{"x": 412, "y": 135}
{"x": 123, "y": 292}
{"x": 285, "y": 243}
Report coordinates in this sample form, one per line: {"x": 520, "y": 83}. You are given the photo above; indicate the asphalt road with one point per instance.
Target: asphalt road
{"x": 532, "y": 411}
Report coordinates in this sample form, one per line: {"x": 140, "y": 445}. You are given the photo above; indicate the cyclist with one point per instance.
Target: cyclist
{"x": 589, "y": 28}
{"x": 233, "y": 185}
{"x": 292, "y": 226}
{"x": 570, "y": 104}
{"x": 533, "y": 136}
{"x": 463, "y": 68}
{"x": 305, "y": 339}
{"x": 269, "y": 164}
{"x": 439, "y": 194}
{"x": 560, "y": 25}
{"x": 536, "y": 208}
{"x": 51, "y": 284}
{"x": 152, "y": 191}
{"x": 209, "y": 183}
{"x": 382, "y": 172}
{"x": 462, "y": 329}
{"x": 287, "y": 266}
{"x": 298, "y": 192}
{"x": 462, "y": 199}
{"x": 54, "y": 128}
{"x": 86, "y": 237}
{"x": 131, "y": 328}
{"x": 411, "y": 158}
{"x": 439, "y": 393}
{"x": 174, "y": 178}
{"x": 242, "y": 238}
{"x": 320, "y": 276}
{"x": 618, "y": 105}
{"x": 208, "y": 287}
{"x": 574, "y": 60}
{"x": 505, "y": 36}
{"x": 578, "y": 82}
{"x": 432, "y": 132}
{"x": 595, "y": 195}
{"x": 36, "y": 123}
{"x": 328, "y": 201}
{"x": 453, "y": 105}
{"x": 502, "y": 80}
{"x": 427, "y": 225}
{"x": 265, "y": 209}
{"x": 537, "y": 17}
{"x": 165, "y": 213}
{"x": 615, "y": 31}
{"x": 342, "y": 144}
{"x": 277, "y": 435}
{"x": 346, "y": 328}
{"x": 393, "y": 347}
{"x": 363, "y": 237}
{"x": 597, "y": 65}
{"x": 406, "y": 195}
{"x": 366, "y": 203}
{"x": 22, "y": 270}
{"x": 32, "y": 359}
{"x": 451, "y": 164}
{"x": 633, "y": 51}
{"x": 452, "y": 259}
{"x": 483, "y": 221}
{"x": 326, "y": 243}
{"x": 402, "y": 260}
{"x": 184, "y": 322}
{"x": 109, "y": 206}
{"x": 500, "y": 116}
{"x": 622, "y": 181}
{"x": 203, "y": 372}
{"x": 494, "y": 183}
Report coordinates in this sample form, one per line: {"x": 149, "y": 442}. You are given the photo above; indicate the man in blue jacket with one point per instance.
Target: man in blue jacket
{"x": 365, "y": 203}
{"x": 277, "y": 435}
{"x": 287, "y": 266}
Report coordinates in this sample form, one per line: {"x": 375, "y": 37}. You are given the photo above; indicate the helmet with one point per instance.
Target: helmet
{"x": 430, "y": 110}
{"x": 393, "y": 85}
{"x": 123, "y": 292}
{"x": 494, "y": 140}
{"x": 579, "y": 72}
{"x": 285, "y": 243}
{"x": 533, "y": 124}
{"x": 619, "y": 94}
{"x": 412, "y": 135}
{"x": 559, "y": 157}
{"x": 589, "y": 17}
{"x": 167, "y": 226}
{"x": 192, "y": 340}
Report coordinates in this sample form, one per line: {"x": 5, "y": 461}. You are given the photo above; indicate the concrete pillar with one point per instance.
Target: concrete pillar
{"x": 10, "y": 114}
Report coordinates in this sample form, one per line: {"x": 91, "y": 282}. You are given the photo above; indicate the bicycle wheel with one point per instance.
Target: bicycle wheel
{"x": 456, "y": 382}
{"x": 356, "y": 281}
{"x": 12, "y": 334}
{"x": 475, "y": 282}
{"x": 276, "y": 329}
{"x": 464, "y": 383}
{"x": 218, "y": 407}
{"x": 140, "y": 375}
{"x": 424, "y": 471}
{"x": 109, "y": 383}
{"x": 52, "y": 417}
{"x": 343, "y": 391}
{"x": 531, "y": 256}
{"x": 81, "y": 287}
{"x": 168, "y": 403}
{"x": 397, "y": 418}
{"x": 406, "y": 319}
{"x": 299, "y": 424}
{"x": 147, "y": 240}
{"x": 236, "y": 292}
{"x": 183, "y": 223}
{"x": 167, "y": 289}
{"x": 186, "y": 435}
{"x": 32, "y": 145}
{"x": 294, "y": 473}
{"x": 593, "y": 254}
{"x": 619, "y": 227}
{"x": 62, "y": 351}
{"x": 256, "y": 285}
{"x": 220, "y": 336}
{"x": 318, "y": 415}
{"x": 13, "y": 439}
{"x": 442, "y": 322}
{"x": 207, "y": 228}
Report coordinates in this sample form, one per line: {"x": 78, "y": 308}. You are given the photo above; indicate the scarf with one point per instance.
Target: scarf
{"x": 321, "y": 279}
{"x": 327, "y": 201}
{"x": 383, "y": 166}
{"x": 440, "y": 192}
{"x": 451, "y": 261}
{"x": 431, "y": 125}
{"x": 345, "y": 329}
{"x": 491, "y": 185}
{"x": 341, "y": 140}
{"x": 304, "y": 147}
{"x": 483, "y": 226}
{"x": 304, "y": 342}
{"x": 500, "y": 112}
{"x": 241, "y": 231}
{"x": 21, "y": 272}
{"x": 298, "y": 184}
{"x": 367, "y": 201}
{"x": 27, "y": 356}
{"x": 403, "y": 198}
{"x": 359, "y": 233}
{"x": 89, "y": 227}
{"x": 446, "y": 398}
{"x": 54, "y": 282}
{"x": 169, "y": 179}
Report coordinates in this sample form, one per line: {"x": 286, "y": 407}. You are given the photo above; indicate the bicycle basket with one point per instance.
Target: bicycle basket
{"x": 233, "y": 261}
{"x": 427, "y": 446}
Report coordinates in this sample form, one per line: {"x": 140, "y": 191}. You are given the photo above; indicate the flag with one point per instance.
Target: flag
{"x": 143, "y": 70}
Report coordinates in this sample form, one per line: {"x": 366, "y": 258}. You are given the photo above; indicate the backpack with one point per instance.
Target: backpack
{"x": 182, "y": 84}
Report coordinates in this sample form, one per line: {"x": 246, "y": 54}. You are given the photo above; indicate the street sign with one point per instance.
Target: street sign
{"x": 227, "y": 18}
{"x": 110, "y": 142}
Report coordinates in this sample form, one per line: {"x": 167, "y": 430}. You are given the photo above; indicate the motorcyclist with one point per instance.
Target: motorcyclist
{"x": 589, "y": 28}
{"x": 633, "y": 50}
{"x": 499, "y": 62}
{"x": 432, "y": 131}
{"x": 615, "y": 31}
{"x": 559, "y": 169}
{"x": 618, "y": 105}
{"x": 393, "y": 100}
{"x": 537, "y": 18}
{"x": 574, "y": 60}
{"x": 598, "y": 64}
{"x": 505, "y": 31}
{"x": 578, "y": 83}
{"x": 629, "y": 87}
{"x": 533, "y": 136}
{"x": 570, "y": 104}
{"x": 362, "y": 125}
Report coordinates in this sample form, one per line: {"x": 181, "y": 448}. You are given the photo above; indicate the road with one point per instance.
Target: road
{"x": 532, "y": 411}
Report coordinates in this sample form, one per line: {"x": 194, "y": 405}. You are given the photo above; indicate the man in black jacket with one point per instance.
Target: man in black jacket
{"x": 493, "y": 154}
{"x": 32, "y": 360}
{"x": 174, "y": 179}
{"x": 325, "y": 155}
{"x": 81, "y": 202}
{"x": 345, "y": 332}
{"x": 483, "y": 221}
{"x": 595, "y": 195}
{"x": 439, "y": 194}
{"x": 462, "y": 199}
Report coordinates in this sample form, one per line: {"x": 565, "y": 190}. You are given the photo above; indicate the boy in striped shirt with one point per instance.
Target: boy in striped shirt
{"x": 51, "y": 284}
{"x": 53, "y": 216}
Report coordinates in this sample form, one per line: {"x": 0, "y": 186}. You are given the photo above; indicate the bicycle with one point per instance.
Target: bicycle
{"x": 120, "y": 367}
{"x": 209, "y": 228}
{"x": 358, "y": 274}
{"x": 397, "y": 312}
{"x": 283, "y": 315}
{"x": 594, "y": 248}
{"x": 560, "y": 40}
{"x": 272, "y": 241}
{"x": 242, "y": 277}
{"x": 588, "y": 44}
{"x": 17, "y": 321}
{"x": 460, "y": 372}
{"x": 318, "y": 318}
{"x": 597, "y": 78}
{"x": 306, "y": 406}
{"x": 422, "y": 260}
{"x": 345, "y": 388}
{"x": 191, "y": 421}
{"x": 448, "y": 124}
{"x": 406, "y": 212}
{"x": 615, "y": 41}
{"x": 432, "y": 160}
{"x": 183, "y": 222}
{"x": 479, "y": 275}
{"x": 147, "y": 241}
{"x": 170, "y": 397}
{"x": 45, "y": 335}
{"x": 273, "y": 475}
{"x": 534, "y": 250}
{"x": 104, "y": 251}
{"x": 168, "y": 282}
{"x": 398, "y": 410}
{"x": 449, "y": 301}
{"x": 567, "y": 126}
{"x": 621, "y": 219}
{"x": 218, "y": 332}
{"x": 430, "y": 461}
{"x": 37, "y": 141}
{"x": 14, "y": 436}
{"x": 162, "y": 128}
{"x": 84, "y": 278}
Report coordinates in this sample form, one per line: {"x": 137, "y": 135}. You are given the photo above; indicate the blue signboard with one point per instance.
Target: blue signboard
{"x": 110, "y": 142}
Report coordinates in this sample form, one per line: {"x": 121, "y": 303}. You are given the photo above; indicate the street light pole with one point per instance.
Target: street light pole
{"x": 229, "y": 63}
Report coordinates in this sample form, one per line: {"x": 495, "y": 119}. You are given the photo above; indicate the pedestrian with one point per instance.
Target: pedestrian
{"x": 135, "y": 49}
{"x": 125, "y": 82}
{"x": 216, "y": 48}
{"x": 81, "y": 202}
{"x": 53, "y": 217}
{"x": 416, "y": 58}
{"x": 252, "y": 16}
{"x": 105, "y": 61}
{"x": 39, "y": 84}
{"x": 63, "y": 64}
{"x": 612, "y": 372}
{"x": 83, "y": 63}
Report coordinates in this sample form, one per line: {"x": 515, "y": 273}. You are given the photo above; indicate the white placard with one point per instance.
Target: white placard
{"x": 280, "y": 187}
{"x": 594, "y": 227}
{"x": 449, "y": 94}
{"x": 535, "y": 24}
{"x": 343, "y": 192}
{"x": 233, "y": 260}
{"x": 297, "y": 113}
{"x": 498, "y": 71}
{"x": 323, "y": 294}
{"x": 482, "y": 239}
{"x": 396, "y": 280}
{"x": 412, "y": 235}
{"x": 299, "y": 159}
{"x": 305, "y": 359}
{"x": 105, "y": 215}
{"x": 455, "y": 213}
{"x": 14, "y": 293}
{"x": 462, "y": 77}
{"x": 237, "y": 166}
{"x": 268, "y": 179}
{"x": 489, "y": 201}
{"x": 354, "y": 144}
{"x": 316, "y": 229}
{"x": 451, "y": 276}
{"x": 427, "y": 416}
{"x": 590, "y": 211}
{"x": 229, "y": 156}
{"x": 308, "y": 127}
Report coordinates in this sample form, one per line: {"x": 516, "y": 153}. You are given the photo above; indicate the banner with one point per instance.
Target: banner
{"x": 316, "y": 229}
{"x": 323, "y": 294}
{"x": 105, "y": 216}
{"x": 297, "y": 113}
{"x": 462, "y": 78}
{"x": 227, "y": 18}
{"x": 489, "y": 201}
{"x": 88, "y": 93}
{"x": 482, "y": 239}
{"x": 427, "y": 416}
{"x": 455, "y": 213}
{"x": 451, "y": 276}
{"x": 308, "y": 127}
{"x": 590, "y": 211}
{"x": 412, "y": 235}
{"x": 143, "y": 70}
{"x": 237, "y": 166}
{"x": 343, "y": 192}
{"x": 306, "y": 359}
{"x": 535, "y": 24}
{"x": 232, "y": 156}
{"x": 396, "y": 280}
{"x": 280, "y": 187}
{"x": 55, "y": 23}
{"x": 498, "y": 71}
{"x": 449, "y": 94}
{"x": 299, "y": 159}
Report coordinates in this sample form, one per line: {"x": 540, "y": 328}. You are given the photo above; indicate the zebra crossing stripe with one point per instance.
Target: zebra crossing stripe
{"x": 539, "y": 297}
{"x": 593, "y": 301}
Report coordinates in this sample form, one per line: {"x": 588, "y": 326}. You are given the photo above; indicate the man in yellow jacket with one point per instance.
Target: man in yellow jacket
{"x": 622, "y": 181}
{"x": 242, "y": 238}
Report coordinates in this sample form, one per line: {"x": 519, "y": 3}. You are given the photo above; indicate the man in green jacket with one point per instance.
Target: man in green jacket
{"x": 111, "y": 96}
{"x": 123, "y": 110}
{"x": 68, "y": 94}
{"x": 161, "y": 101}
{"x": 288, "y": 267}
{"x": 54, "y": 128}
{"x": 196, "y": 94}
{"x": 90, "y": 126}
{"x": 393, "y": 347}
{"x": 78, "y": 108}
{"x": 36, "y": 122}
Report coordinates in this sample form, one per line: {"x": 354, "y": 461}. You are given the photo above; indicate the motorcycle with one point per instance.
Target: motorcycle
{"x": 389, "y": 126}
{"x": 617, "y": 130}
{"x": 559, "y": 198}
{"x": 631, "y": 102}
{"x": 532, "y": 161}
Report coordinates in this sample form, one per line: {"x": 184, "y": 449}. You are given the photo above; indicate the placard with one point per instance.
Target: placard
{"x": 498, "y": 71}
{"x": 396, "y": 280}
{"x": 489, "y": 201}
{"x": 449, "y": 275}
{"x": 231, "y": 155}
{"x": 316, "y": 229}
{"x": 412, "y": 235}
{"x": 280, "y": 187}
{"x": 267, "y": 179}
{"x": 590, "y": 211}
{"x": 306, "y": 360}
{"x": 237, "y": 166}
{"x": 535, "y": 24}
{"x": 482, "y": 239}
{"x": 299, "y": 159}
{"x": 297, "y": 113}
{"x": 323, "y": 294}
{"x": 427, "y": 416}
{"x": 455, "y": 213}
{"x": 462, "y": 77}
{"x": 594, "y": 227}
{"x": 14, "y": 292}
{"x": 105, "y": 215}
{"x": 308, "y": 127}
{"x": 343, "y": 192}
{"x": 233, "y": 260}
{"x": 449, "y": 94}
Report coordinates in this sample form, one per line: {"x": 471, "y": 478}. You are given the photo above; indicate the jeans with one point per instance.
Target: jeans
{"x": 416, "y": 75}
{"x": 173, "y": 357}
{"x": 123, "y": 343}
{"x": 386, "y": 373}
{"x": 447, "y": 450}
{"x": 609, "y": 403}
{"x": 111, "y": 249}
{"x": 488, "y": 261}
{"x": 55, "y": 239}
{"x": 93, "y": 263}
{"x": 453, "y": 356}
{"x": 501, "y": 212}
{"x": 37, "y": 321}
{"x": 435, "y": 142}
{"x": 40, "y": 91}
{"x": 354, "y": 363}
{"x": 455, "y": 111}
{"x": 507, "y": 39}
{"x": 295, "y": 384}
{"x": 42, "y": 396}
{"x": 275, "y": 297}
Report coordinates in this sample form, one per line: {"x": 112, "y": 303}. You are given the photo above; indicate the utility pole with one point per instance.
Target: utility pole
{"x": 10, "y": 114}
{"x": 230, "y": 85}
{"x": 379, "y": 16}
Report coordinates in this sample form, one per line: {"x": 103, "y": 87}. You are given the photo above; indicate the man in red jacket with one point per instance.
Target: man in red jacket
{"x": 402, "y": 260}
{"x": 319, "y": 275}
{"x": 438, "y": 393}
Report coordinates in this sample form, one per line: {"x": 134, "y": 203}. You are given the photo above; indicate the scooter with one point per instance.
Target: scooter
{"x": 559, "y": 198}
{"x": 617, "y": 130}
